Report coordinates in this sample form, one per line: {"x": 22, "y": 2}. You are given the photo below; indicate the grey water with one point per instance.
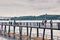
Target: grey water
{"x": 56, "y": 33}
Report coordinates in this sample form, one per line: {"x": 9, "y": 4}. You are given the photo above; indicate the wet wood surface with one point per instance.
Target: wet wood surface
{"x": 23, "y": 36}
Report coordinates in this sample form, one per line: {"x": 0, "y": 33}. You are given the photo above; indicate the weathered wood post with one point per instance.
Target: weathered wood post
{"x": 30, "y": 31}
{"x": 37, "y": 30}
{"x": 39, "y": 24}
{"x": 20, "y": 31}
{"x": 9, "y": 30}
{"x": 51, "y": 29}
{"x": 27, "y": 29}
{"x": 1, "y": 28}
{"x": 5, "y": 29}
{"x": 14, "y": 28}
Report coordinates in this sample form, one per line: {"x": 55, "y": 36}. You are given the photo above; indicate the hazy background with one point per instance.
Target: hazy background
{"x": 29, "y": 7}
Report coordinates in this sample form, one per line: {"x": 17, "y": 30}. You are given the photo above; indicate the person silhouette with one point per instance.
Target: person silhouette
{"x": 51, "y": 22}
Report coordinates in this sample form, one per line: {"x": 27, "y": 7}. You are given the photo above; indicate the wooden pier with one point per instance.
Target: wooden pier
{"x": 30, "y": 25}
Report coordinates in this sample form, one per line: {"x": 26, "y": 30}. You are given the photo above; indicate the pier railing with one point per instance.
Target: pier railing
{"x": 27, "y": 25}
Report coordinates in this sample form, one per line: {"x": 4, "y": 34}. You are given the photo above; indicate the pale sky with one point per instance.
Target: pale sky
{"x": 29, "y": 7}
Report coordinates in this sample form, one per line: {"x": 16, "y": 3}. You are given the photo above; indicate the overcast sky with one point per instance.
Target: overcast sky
{"x": 29, "y": 7}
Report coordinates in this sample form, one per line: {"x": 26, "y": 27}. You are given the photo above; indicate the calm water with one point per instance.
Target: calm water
{"x": 56, "y": 33}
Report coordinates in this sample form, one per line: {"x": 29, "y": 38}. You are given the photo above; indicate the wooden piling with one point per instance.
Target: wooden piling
{"x": 30, "y": 32}
{"x": 14, "y": 29}
{"x": 9, "y": 30}
{"x": 27, "y": 29}
{"x": 37, "y": 32}
{"x": 51, "y": 25}
{"x": 5, "y": 30}
{"x": 20, "y": 32}
{"x": 1, "y": 28}
{"x": 44, "y": 29}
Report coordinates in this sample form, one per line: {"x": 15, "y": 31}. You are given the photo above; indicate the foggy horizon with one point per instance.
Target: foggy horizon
{"x": 11, "y": 8}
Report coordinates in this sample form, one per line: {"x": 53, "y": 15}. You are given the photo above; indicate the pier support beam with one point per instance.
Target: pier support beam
{"x": 51, "y": 34}
{"x": 51, "y": 29}
{"x": 1, "y": 28}
{"x": 37, "y": 32}
{"x": 38, "y": 24}
{"x": 14, "y": 32}
{"x": 27, "y": 29}
{"x": 30, "y": 32}
{"x": 5, "y": 30}
{"x": 14, "y": 28}
{"x": 20, "y": 31}
{"x": 43, "y": 33}
{"x": 44, "y": 29}
{"x": 9, "y": 30}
